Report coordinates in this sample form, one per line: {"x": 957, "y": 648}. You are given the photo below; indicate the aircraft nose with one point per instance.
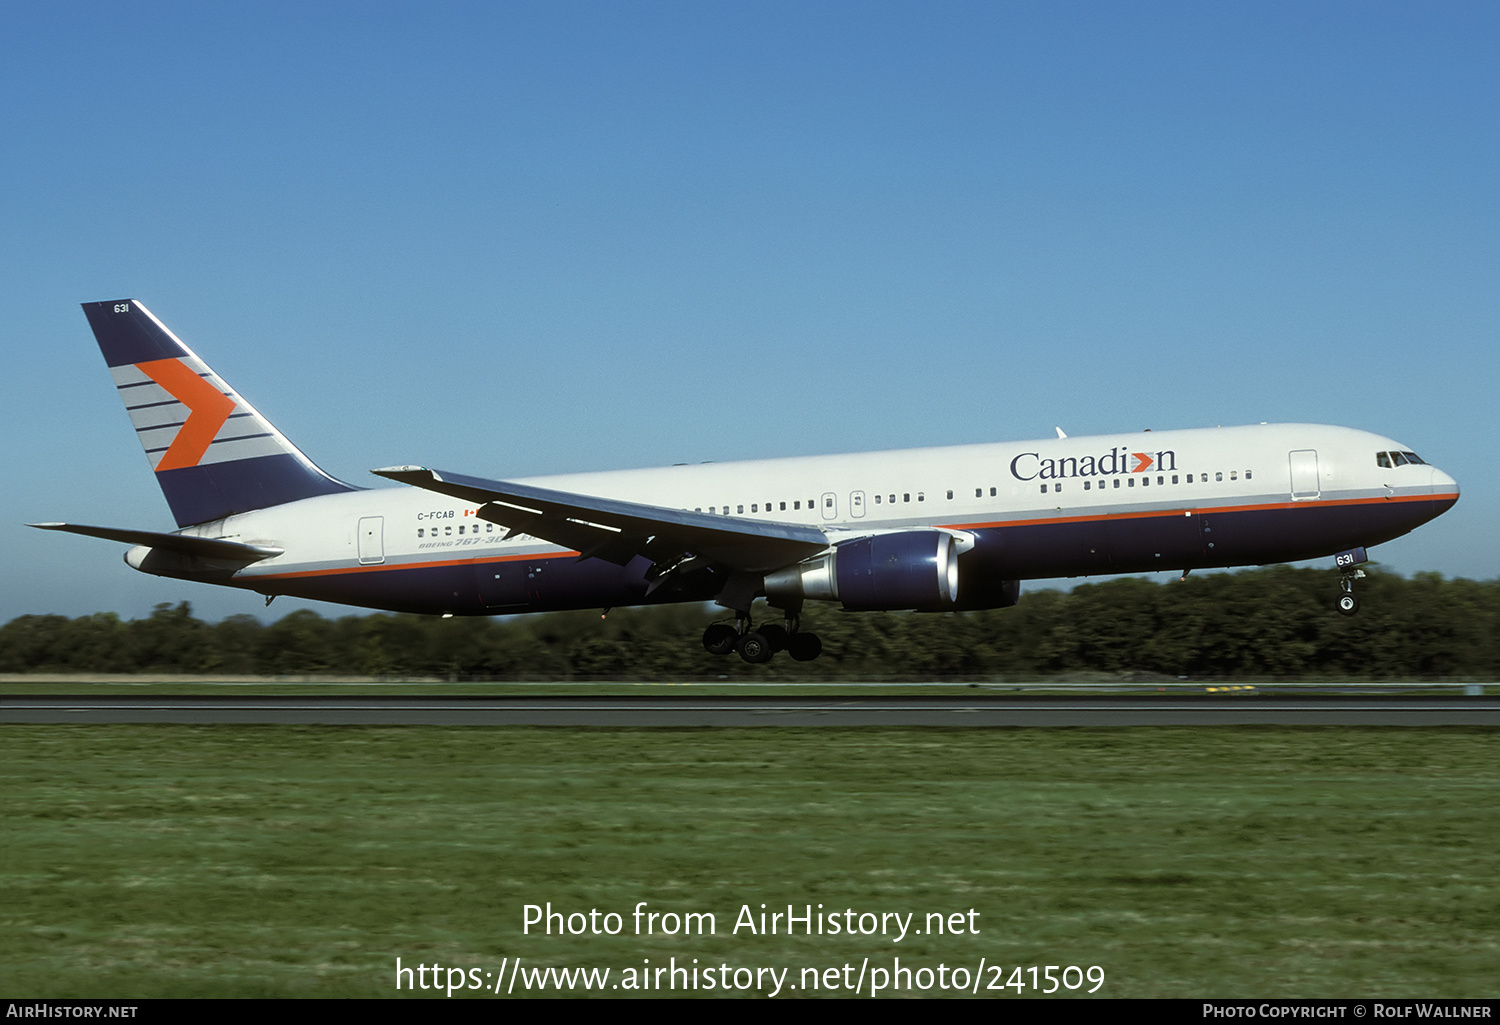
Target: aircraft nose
{"x": 1444, "y": 484}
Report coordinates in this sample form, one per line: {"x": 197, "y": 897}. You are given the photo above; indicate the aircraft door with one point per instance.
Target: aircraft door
{"x": 1304, "y": 468}
{"x": 857, "y": 504}
{"x": 830, "y": 506}
{"x": 371, "y": 540}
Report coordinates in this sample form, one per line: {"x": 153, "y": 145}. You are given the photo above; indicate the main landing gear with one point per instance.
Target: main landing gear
{"x": 758, "y": 645}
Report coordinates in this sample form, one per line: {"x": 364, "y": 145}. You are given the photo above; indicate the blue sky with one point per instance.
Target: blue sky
{"x": 514, "y": 239}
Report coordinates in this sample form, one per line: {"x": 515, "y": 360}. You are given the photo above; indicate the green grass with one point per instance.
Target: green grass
{"x": 140, "y": 861}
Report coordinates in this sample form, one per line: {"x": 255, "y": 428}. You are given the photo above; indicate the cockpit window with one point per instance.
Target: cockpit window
{"x": 1390, "y": 459}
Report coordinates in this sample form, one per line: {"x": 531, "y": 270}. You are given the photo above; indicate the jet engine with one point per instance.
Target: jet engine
{"x": 913, "y": 569}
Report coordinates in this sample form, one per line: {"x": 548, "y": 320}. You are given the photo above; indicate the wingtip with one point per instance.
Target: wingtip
{"x": 405, "y": 474}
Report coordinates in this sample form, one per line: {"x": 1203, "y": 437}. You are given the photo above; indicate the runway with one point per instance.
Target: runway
{"x": 978, "y": 711}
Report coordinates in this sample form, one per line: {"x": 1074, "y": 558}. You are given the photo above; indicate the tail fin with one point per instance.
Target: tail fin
{"x": 213, "y": 454}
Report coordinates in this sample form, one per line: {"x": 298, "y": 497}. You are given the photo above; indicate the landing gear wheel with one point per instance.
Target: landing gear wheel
{"x": 1348, "y": 604}
{"x": 720, "y": 639}
{"x": 776, "y": 636}
{"x": 755, "y": 649}
{"x": 804, "y": 647}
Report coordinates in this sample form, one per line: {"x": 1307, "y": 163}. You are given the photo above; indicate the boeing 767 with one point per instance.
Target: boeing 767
{"x": 930, "y": 530}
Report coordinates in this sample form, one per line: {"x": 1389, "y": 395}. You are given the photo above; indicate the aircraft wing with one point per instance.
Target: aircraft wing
{"x": 617, "y": 531}
{"x": 202, "y": 547}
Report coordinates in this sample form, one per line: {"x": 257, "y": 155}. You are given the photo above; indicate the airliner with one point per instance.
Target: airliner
{"x": 928, "y": 530}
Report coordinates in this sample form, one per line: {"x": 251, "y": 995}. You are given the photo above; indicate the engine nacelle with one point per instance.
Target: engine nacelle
{"x": 913, "y": 569}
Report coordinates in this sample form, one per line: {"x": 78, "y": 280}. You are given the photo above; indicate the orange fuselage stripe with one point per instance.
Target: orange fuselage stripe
{"x": 412, "y": 565}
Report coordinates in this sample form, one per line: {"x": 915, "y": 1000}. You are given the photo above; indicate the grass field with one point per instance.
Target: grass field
{"x": 141, "y": 861}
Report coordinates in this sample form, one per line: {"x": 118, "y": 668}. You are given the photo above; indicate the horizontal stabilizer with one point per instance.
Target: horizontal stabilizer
{"x": 202, "y": 547}
{"x": 617, "y": 531}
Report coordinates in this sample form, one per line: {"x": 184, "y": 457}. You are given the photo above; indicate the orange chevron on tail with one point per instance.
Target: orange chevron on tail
{"x": 208, "y": 408}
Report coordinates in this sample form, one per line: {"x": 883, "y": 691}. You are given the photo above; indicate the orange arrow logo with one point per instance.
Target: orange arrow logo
{"x": 1143, "y": 462}
{"x": 208, "y": 408}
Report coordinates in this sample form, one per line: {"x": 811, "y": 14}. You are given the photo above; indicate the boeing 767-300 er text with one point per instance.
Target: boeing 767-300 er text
{"x": 931, "y": 530}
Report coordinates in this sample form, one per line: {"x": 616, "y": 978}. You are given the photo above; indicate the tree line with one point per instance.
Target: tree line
{"x": 1274, "y": 622}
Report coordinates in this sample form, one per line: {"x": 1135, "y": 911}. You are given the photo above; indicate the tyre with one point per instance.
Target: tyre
{"x": 755, "y": 649}
{"x": 719, "y": 639}
{"x": 805, "y": 647}
{"x": 1348, "y": 604}
{"x": 776, "y": 635}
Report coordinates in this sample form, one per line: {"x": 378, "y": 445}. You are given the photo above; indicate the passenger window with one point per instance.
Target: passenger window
{"x": 1190, "y": 478}
{"x": 1234, "y": 475}
{"x": 1145, "y": 482}
{"x": 1058, "y": 488}
{"x": 783, "y": 507}
{"x": 1174, "y": 478}
{"x": 1247, "y": 474}
{"x": 992, "y": 492}
{"x": 1130, "y": 483}
{"x": 1044, "y": 489}
{"x": 1219, "y": 476}
{"x": 950, "y": 496}
{"x": 921, "y": 497}
{"x": 877, "y": 499}
{"x": 979, "y": 492}
{"x": 1117, "y": 482}
{"x": 906, "y": 497}
{"x": 795, "y": 505}
{"x": 754, "y": 507}
{"x": 1085, "y": 485}
{"x": 419, "y": 531}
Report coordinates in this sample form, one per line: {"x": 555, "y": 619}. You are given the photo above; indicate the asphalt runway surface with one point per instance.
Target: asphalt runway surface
{"x": 976, "y": 711}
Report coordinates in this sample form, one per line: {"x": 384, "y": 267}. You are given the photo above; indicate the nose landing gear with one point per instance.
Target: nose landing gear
{"x": 1348, "y": 604}
{"x": 1348, "y": 564}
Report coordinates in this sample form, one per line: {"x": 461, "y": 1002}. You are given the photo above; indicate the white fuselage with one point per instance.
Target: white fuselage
{"x": 1054, "y": 507}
